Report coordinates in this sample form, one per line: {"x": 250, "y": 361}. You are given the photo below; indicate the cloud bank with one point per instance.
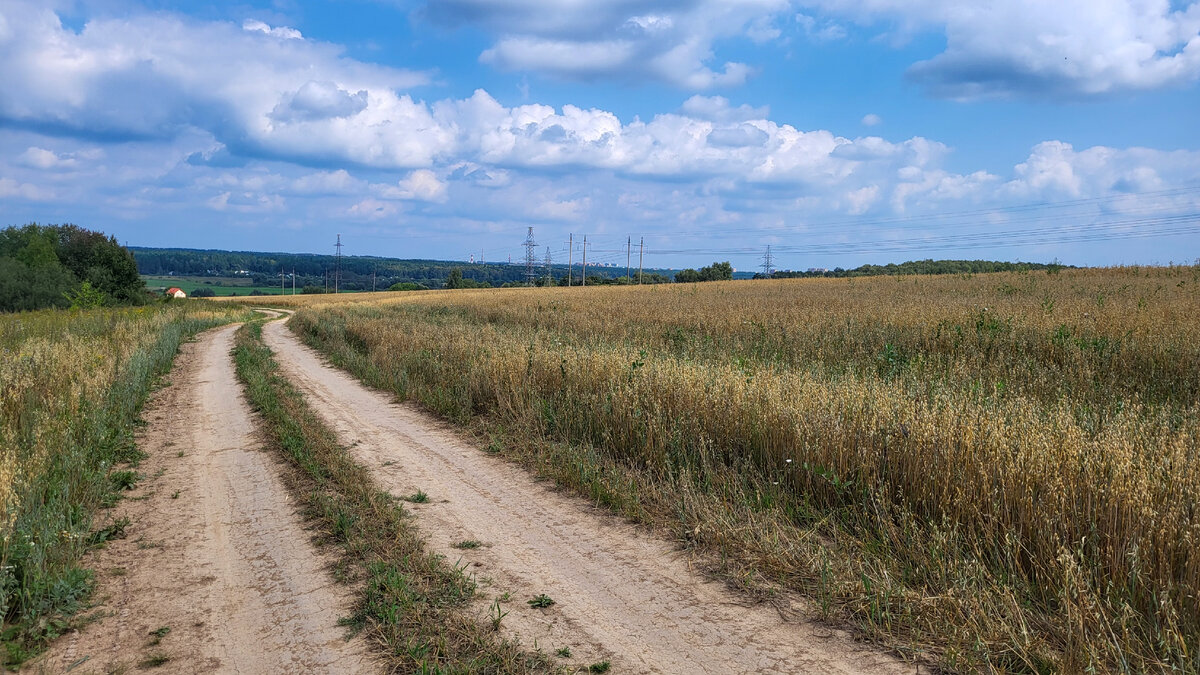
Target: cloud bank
{"x": 1029, "y": 48}
{"x": 156, "y": 114}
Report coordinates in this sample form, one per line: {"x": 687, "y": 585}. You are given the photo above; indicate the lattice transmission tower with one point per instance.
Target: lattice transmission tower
{"x": 530, "y": 258}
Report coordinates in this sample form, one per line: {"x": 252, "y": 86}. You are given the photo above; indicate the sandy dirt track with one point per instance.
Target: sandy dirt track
{"x": 214, "y": 551}
{"x": 621, "y": 595}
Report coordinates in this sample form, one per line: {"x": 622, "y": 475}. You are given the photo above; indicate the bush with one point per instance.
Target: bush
{"x": 204, "y": 293}
{"x": 408, "y": 286}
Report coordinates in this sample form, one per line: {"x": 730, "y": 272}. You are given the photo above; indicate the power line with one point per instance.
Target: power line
{"x": 628, "y": 244}
{"x": 641, "y": 250}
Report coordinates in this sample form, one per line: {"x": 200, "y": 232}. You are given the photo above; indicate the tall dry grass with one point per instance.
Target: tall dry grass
{"x": 998, "y": 470}
{"x": 71, "y": 385}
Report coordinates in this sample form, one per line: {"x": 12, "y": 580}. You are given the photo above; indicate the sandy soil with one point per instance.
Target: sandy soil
{"x": 214, "y": 552}
{"x": 621, "y": 595}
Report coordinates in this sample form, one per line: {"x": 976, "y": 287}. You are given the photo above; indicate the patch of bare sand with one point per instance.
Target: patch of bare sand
{"x": 214, "y": 551}
{"x": 620, "y": 594}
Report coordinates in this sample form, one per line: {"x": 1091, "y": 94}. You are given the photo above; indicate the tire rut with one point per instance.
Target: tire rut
{"x": 214, "y": 551}
{"x": 620, "y": 594}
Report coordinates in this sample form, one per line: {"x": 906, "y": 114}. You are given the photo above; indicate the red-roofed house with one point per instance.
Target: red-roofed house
{"x": 174, "y": 292}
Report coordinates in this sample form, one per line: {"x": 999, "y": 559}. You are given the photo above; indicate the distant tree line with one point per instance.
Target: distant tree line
{"x": 63, "y": 266}
{"x": 921, "y": 267}
{"x": 357, "y": 273}
{"x": 456, "y": 280}
{"x": 314, "y": 273}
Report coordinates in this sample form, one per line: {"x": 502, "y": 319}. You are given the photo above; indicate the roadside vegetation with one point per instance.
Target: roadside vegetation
{"x": 413, "y": 605}
{"x": 71, "y": 386}
{"x": 992, "y": 471}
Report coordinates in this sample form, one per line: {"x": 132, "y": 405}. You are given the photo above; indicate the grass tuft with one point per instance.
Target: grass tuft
{"x": 542, "y": 601}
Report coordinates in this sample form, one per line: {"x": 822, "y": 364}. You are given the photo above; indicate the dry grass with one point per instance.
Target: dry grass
{"x": 71, "y": 385}
{"x": 997, "y": 470}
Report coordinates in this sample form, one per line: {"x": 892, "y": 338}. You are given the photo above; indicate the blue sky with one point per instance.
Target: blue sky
{"x": 836, "y": 132}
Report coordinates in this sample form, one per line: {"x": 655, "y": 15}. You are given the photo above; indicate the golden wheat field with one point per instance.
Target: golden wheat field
{"x": 994, "y": 471}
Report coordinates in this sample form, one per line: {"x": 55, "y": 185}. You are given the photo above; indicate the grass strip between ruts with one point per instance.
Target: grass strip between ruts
{"x": 411, "y": 604}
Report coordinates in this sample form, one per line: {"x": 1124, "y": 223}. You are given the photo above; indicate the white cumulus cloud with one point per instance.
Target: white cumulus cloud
{"x": 280, "y": 31}
{"x": 11, "y": 188}
{"x": 634, "y": 40}
{"x": 1068, "y": 48}
{"x": 41, "y": 158}
{"x": 421, "y": 185}
{"x": 159, "y": 75}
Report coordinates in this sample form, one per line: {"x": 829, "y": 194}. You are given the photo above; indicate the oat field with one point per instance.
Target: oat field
{"x": 992, "y": 471}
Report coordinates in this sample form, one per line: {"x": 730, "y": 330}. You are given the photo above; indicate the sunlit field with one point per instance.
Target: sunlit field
{"x": 71, "y": 385}
{"x": 996, "y": 471}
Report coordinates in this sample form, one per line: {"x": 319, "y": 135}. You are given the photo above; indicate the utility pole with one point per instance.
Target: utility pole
{"x": 372, "y": 279}
{"x": 641, "y": 250}
{"x": 530, "y": 245}
{"x": 768, "y": 262}
{"x": 628, "y": 244}
{"x": 570, "y": 257}
{"x": 337, "y": 269}
{"x": 327, "y": 280}
{"x": 585, "y": 260}
{"x": 293, "y": 281}
{"x": 549, "y": 269}
{"x": 281, "y": 289}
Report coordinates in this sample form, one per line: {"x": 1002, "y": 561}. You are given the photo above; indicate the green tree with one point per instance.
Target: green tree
{"x": 25, "y": 288}
{"x": 101, "y": 261}
{"x": 455, "y": 279}
{"x": 718, "y": 271}
{"x": 47, "y": 265}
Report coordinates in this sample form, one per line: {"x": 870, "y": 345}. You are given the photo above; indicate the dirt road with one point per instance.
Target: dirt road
{"x": 620, "y": 595}
{"x": 214, "y": 552}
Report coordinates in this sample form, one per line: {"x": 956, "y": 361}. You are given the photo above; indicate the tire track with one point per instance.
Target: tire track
{"x": 214, "y": 550}
{"x": 621, "y": 595}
